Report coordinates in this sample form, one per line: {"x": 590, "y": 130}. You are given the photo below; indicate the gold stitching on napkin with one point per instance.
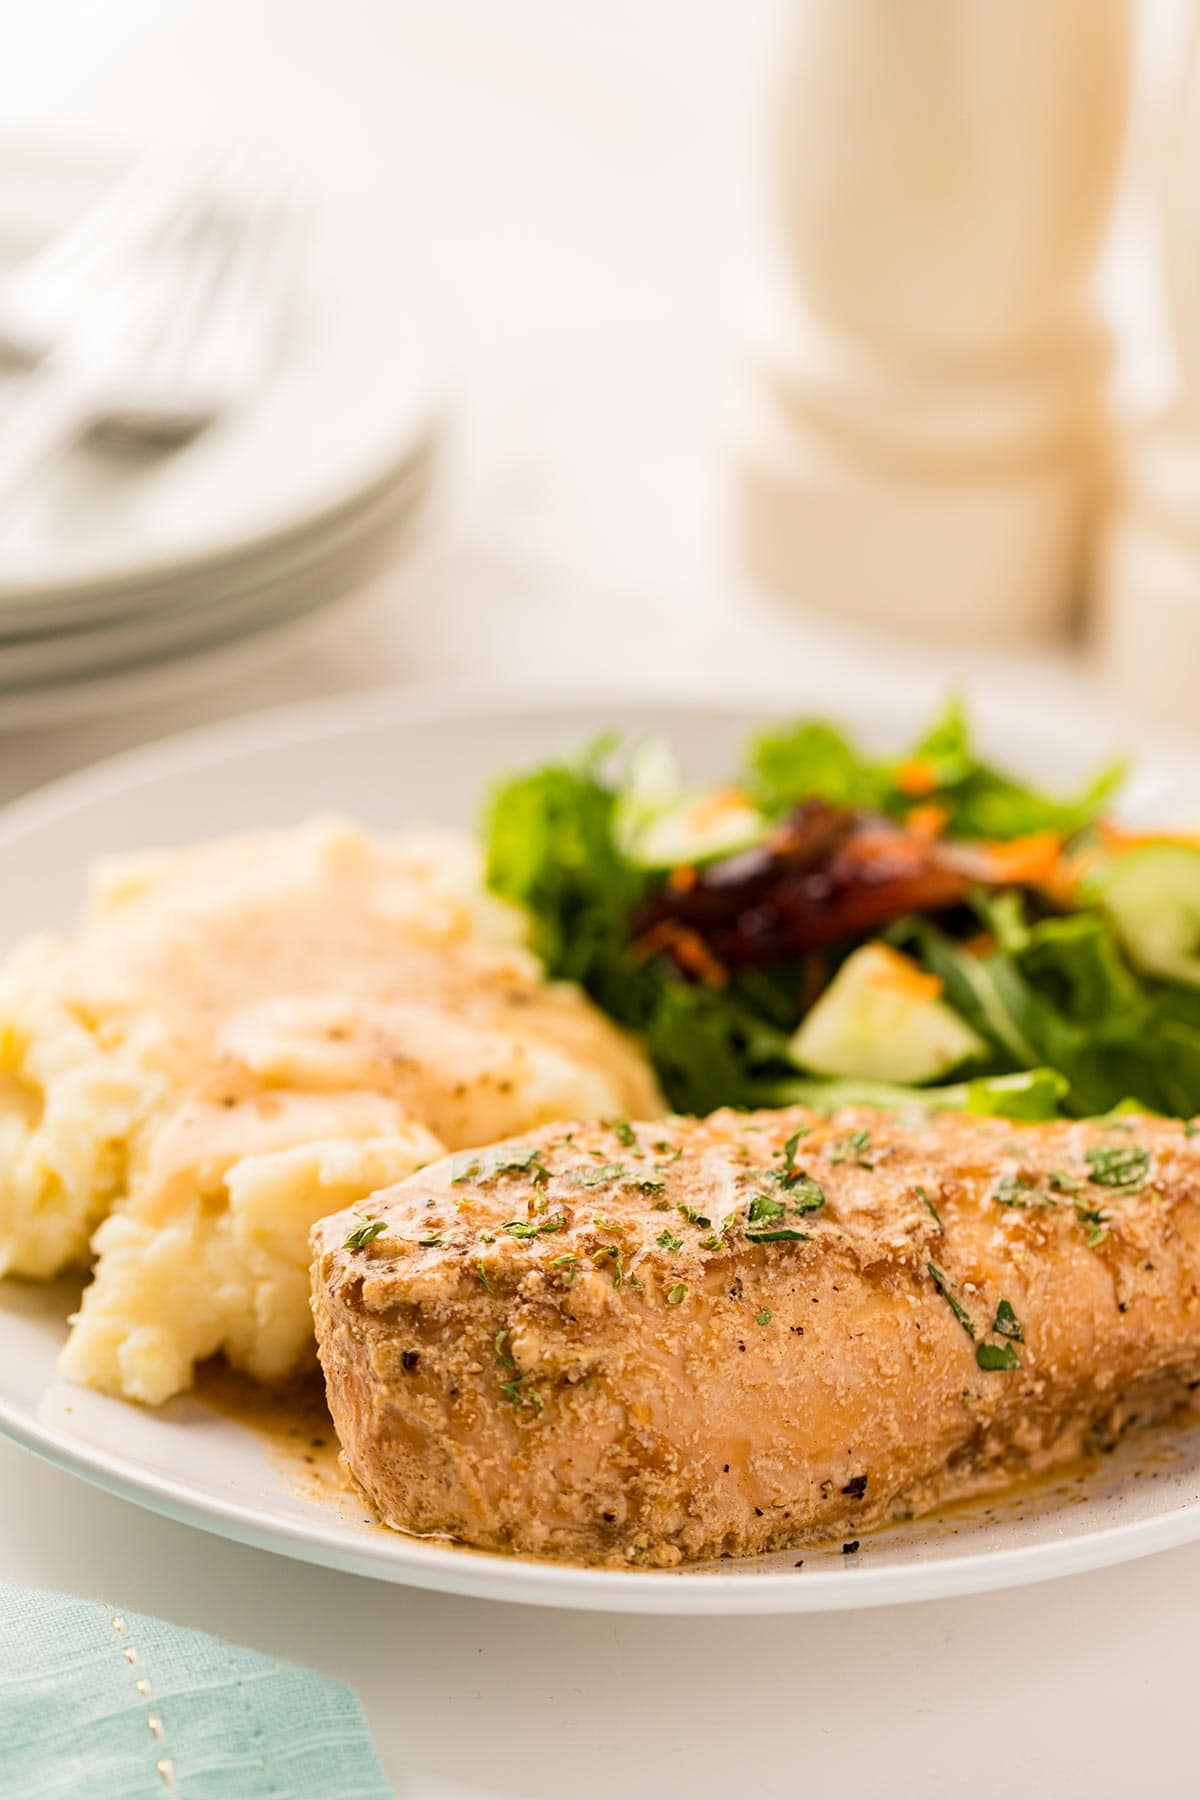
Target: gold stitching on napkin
{"x": 164, "y": 1765}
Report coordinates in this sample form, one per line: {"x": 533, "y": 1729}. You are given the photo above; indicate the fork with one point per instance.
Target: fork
{"x": 173, "y": 338}
{"x": 40, "y": 297}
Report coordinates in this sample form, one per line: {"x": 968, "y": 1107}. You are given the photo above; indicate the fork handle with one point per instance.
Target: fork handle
{"x": 51, "y": 410}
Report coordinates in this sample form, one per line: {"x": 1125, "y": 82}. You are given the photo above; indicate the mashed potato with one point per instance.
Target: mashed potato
{"x": 243, "y": 1037}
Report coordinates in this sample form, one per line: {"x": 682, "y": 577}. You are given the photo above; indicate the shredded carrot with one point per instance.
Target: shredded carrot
{"x": 688, "y": 948}
{"x": 710, "y": 809}
{"x": 1116, "y": 839}
{"x": 694, "y": 955}
{"x": 928, "y": 820}
{"x": 916, "y": 778}
{"x": 683, "y": 879}
{"x": 1071, "y": 871}
{"x": 1034, "y": 859}
{"x": 899, "y": 972}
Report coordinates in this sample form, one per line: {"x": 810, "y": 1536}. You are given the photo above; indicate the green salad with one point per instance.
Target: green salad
{"x": 829, "y": 928}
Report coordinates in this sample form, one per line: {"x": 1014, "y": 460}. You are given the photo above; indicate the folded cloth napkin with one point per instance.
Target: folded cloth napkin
{"x": 100, "y": 1704}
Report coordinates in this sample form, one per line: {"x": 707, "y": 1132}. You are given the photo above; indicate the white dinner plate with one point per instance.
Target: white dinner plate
{"x": 390, "y": 760}
{"x": 33, "y": 670}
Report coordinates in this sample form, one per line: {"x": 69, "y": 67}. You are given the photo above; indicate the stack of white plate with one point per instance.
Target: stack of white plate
{"x": 117, "y": 564}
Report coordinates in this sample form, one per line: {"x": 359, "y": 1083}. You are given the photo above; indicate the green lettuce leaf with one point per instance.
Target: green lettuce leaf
{"x": 1033, "y": 1094}
{"x": 811, "y": 760}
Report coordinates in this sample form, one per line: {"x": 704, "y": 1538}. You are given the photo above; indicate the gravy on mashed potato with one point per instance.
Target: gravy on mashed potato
{"x": 243, "y": 1037}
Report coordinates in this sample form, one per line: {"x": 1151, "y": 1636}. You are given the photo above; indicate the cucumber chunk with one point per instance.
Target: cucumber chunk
{"x": 1152, "y": 897}
{"x": 659, "y": 826}
{"x": 882, "y": 1018}
{"x": 697, "y": 828}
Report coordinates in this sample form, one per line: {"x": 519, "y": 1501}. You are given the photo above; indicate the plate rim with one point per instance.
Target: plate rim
{"x": 733, "y": 1592}
{"x": 484, "y": 1575}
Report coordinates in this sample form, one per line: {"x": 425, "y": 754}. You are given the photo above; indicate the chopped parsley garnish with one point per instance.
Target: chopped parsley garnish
{"x": 804, "y": 1194}
{"x": 618, "y": 1262}
{"x": 668, "y": 1241}
{"x": 1091, "y": 1215}
{"x": 429, "y": 1243}
{"x": 716, "y": 1239}
{"x": 518, "y": 1394}
{"x": 854, "y": 1148}
{"x": 624, "y": 1133}
{"x": 364, "y": 1233}
{"x": 694, "y": 1217}
{"x": 604, "y": 1173}
{"x": 520, "y": 1161}
{"x": 765, "y": 1210}
{"x": 531, "y": 1228}
{"x": 481, "y": 1271}
{"x": 943, "y": 1287}
{"x": 997, "y": 1356}
{"x": 503, "y": 1355}
{"x": 788, "y": 1175}
{"x": 765, "y": 1316}
{"x": 677, "y": 1293}
{"x": 598, "y": 1176}
{"x": 1124, "y": 1166}
{"x": 1019, "y": 1191}
{"x": 926, "y": 1201}
{"x": 1006, "y": 1323}
{"x": 1191, "y": 1128}
{"x": 1062, "y": 1183}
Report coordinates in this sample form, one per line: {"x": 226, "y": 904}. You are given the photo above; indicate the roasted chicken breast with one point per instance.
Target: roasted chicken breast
{"x": 638, "y": 1344}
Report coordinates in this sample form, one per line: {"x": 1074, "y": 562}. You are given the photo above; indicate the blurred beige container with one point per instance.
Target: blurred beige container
{"x": 927, "y": 423}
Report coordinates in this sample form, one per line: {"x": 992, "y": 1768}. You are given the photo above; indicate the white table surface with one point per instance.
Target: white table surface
{"x": 573, "y": 188}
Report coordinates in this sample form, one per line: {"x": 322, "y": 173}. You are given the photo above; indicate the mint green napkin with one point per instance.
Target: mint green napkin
{"x": 99, "y": 1704}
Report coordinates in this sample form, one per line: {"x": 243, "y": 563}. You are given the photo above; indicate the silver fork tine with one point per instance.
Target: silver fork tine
{"x": 189, "y": 356}
{"x": 159, "y": 354}
{"x": 236, "y": 329}
{"x": 38, "y": 299}
{"x": 205, "y": 278}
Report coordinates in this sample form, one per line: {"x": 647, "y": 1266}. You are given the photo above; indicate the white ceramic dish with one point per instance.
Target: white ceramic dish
{"x": 389, "y": 760}
{"x": 34, "y": 670}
